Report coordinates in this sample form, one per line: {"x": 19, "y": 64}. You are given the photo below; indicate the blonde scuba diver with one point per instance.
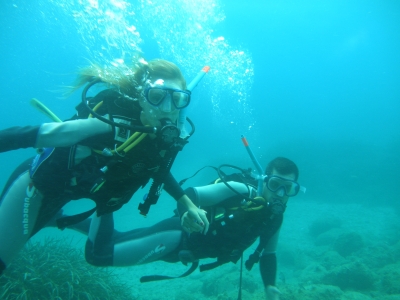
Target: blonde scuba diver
{"x": 118, "y": 140}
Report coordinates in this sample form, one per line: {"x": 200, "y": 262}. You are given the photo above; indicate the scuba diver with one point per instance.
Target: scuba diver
{"x": 238, "y": 213}
{"x": 119, "y": 139}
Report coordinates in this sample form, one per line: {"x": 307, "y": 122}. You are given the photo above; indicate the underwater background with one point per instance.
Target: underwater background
{"x": 315, "y": 81}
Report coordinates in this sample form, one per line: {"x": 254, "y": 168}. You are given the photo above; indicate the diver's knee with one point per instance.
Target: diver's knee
{"x": 98, "y": 260}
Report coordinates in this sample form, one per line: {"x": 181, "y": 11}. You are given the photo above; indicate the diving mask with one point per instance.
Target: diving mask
{"x": 276, "y": 183}
{"x": 156, "y": 95}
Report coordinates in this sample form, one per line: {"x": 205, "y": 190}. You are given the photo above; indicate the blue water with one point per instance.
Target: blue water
{"x": 315, "y": 81}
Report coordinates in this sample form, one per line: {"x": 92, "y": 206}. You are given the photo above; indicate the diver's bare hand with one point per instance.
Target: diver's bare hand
{"x": 195, "y": 220}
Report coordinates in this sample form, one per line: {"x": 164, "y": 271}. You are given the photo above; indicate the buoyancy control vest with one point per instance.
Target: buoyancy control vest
{"x": 233, "y": 229}
{"x": 86, "y": 171}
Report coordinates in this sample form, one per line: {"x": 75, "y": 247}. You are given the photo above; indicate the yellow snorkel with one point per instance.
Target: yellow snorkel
{"x": 44, "y": 110}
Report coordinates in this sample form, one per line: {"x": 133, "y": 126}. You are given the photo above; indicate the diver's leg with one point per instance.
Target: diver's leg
{"x": 19, "y": 209}
{"x": 99, "y": 245}
{"x": 108, "y": 248}
{"x": 153, "y": 243}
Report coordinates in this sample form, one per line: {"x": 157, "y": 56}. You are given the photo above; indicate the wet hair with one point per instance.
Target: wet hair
{"x": 128, "y": 80}
{"x": 160, "y": 68}
{"x": 283, "y": 166}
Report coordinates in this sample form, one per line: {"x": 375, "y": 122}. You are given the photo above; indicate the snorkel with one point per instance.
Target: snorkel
{"x": 276, "y": 206}
{"x": 260, "y": 177}
{"x": 182, "y": 114}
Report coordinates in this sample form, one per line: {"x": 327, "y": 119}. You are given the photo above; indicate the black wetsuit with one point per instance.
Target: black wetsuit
{"x": 62, "y": 174}
{"x": 232, "y": 230}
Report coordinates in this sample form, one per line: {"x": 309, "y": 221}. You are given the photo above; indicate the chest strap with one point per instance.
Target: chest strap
{"x": 158, "y": 182}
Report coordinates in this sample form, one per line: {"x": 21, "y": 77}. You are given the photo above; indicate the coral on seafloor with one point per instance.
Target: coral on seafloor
{"x": 56, "y": 270}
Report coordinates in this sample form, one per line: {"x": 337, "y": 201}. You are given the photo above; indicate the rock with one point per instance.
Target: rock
{"x": 348, "y": 243}
{"x": 312, "y": 274}
{"x": 332, "y": 259}
{"x": 329, "y": 237}
{"x": 390, "y": 278}
{"x": 320, "y": 226}
{"x": 353, "y": 275}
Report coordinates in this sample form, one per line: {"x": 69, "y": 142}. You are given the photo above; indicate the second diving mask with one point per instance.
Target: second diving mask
{"x": 275, "y": 183}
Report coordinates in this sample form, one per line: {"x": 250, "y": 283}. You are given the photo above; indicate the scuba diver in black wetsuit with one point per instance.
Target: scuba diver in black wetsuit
{"x": 238, "y": 216}
{"x": 132, "y": 138}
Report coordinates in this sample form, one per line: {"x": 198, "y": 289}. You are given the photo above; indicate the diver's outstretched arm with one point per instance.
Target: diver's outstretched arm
{"x": 18, "y": 137}
{"x": 51, "y": 134}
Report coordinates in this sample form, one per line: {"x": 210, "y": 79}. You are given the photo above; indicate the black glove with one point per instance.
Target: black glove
{"x": 253, "y": 258}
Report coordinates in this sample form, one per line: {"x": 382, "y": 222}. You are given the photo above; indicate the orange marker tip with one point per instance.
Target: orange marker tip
{"x": 206, "y": 69}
